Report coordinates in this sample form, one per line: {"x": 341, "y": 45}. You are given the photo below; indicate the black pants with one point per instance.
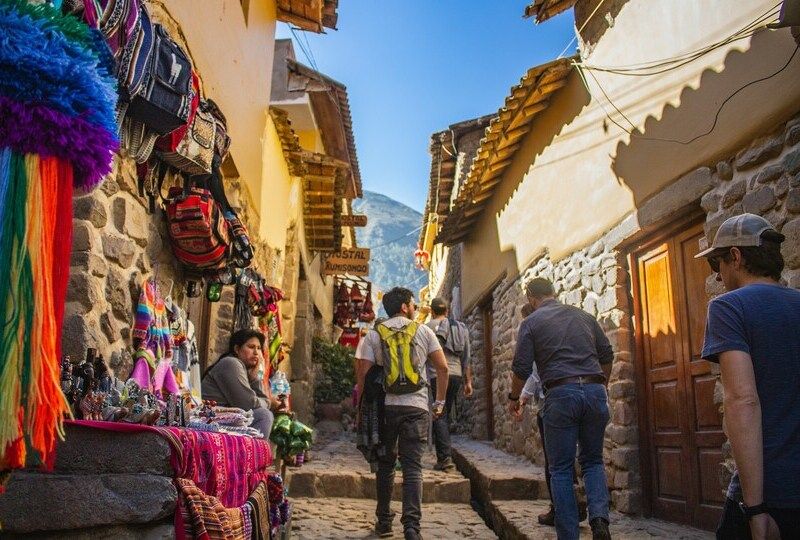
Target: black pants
{"x": 734, "y": 526}
{"x": 404, "y": 433}
{"x": 540, "y": 425}
{"x": 441, "y": 425}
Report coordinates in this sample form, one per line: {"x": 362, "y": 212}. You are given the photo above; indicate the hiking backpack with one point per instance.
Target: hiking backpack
{"x": 402, "y": 376}
{"x": 452, "y": 335}
{"x": 197, "y": 230}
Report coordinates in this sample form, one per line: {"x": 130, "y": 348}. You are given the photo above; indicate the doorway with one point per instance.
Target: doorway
{"x": 681, "y": 427}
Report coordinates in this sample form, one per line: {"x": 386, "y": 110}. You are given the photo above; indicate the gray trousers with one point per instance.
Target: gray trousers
{"x": 404, "y": 433}
{"x": 262, "y": 421}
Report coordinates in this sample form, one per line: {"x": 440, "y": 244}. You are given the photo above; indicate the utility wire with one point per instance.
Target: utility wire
{"x": 633, "y": 132}
{"x": 581, "y": 29}
{"x": 645, "y": 68}
{"x": 393, "y": 240}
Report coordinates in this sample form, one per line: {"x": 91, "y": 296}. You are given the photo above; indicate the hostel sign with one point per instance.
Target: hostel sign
{"x": 353, "y": 261}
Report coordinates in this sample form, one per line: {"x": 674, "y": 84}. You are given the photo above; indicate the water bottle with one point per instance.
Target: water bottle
{"x": 280, "y": 384}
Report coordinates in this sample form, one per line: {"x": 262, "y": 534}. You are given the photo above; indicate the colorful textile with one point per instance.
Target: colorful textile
{"x": 205, "y": 517}
{"x": 57, "y": 130}
{"x": 259, "y": 504}
{"x": 151, "y": 329}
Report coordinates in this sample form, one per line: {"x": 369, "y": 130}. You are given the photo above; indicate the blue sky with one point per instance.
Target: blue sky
{"x": 416, "y": 66}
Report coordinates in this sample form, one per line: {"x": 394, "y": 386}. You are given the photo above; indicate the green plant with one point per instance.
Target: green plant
{"x": 335, "y": 376}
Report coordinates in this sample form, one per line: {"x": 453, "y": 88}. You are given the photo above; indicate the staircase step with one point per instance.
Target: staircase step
{"x": 497, "y": 475}
{"x": 361, "y": 485}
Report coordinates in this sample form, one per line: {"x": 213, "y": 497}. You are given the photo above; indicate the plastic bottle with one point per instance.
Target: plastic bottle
{"x": 280, "y": 384}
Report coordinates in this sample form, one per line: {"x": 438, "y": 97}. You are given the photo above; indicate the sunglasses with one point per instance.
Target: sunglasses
{"x": 714, "y": 260}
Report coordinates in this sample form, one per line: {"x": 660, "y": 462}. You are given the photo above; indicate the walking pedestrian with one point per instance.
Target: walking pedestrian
{"x": 533, "y": 391}
{"x": 752, "y": 332}
{"x": 573, "y": 358}
{"x": 403, "y": 349}
{"x": 454, "y": 338}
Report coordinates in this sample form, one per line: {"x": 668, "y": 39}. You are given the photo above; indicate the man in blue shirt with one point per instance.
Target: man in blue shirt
{"x": 753, "y": 332}
{"x": 573, "y": 358}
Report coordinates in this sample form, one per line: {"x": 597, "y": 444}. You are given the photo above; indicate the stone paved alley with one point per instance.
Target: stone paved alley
{"x": 334, "y": 497}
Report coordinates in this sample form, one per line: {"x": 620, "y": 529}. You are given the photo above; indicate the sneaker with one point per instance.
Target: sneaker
{"x": 548, "y": 518}
{"x": 383, "y": 530}
{"x": 445, "y": 465}
{"x": 599, "y": 529}
{"x": 411, "y": 534}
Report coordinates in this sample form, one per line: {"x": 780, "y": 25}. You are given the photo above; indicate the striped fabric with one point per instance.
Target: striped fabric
{"x": 205, "y": 517}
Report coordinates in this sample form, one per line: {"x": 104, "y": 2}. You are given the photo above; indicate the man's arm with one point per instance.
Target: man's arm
{"x": 605, "y": 352}
{"x": 439, "y": 363}
{"x": 522, "y": 366}
{"x": 466, "y": 365}
{"x": 743, "y": 420}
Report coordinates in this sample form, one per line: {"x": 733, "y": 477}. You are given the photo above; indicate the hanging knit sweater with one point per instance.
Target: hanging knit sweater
{"x": 151, "y": 329}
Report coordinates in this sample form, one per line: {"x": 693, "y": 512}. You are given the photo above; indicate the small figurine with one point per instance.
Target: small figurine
{"x": 66, "y": 375}
{"x": 103, "y": 374}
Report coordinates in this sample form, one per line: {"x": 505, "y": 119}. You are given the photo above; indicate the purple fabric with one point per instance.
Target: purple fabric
{"x": 141, "y": 374}
{"x": 164, "y": 379}
{"x": 37, "y": 129}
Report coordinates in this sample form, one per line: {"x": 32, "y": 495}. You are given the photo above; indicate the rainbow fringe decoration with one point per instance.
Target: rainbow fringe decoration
{"x": 57, "y": 132}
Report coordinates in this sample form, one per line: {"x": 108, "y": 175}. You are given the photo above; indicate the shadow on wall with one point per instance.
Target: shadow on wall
{"x": 714, "y": 119}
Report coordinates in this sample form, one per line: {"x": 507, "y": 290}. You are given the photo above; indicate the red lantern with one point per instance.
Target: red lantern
{"x": 422, "y": 258}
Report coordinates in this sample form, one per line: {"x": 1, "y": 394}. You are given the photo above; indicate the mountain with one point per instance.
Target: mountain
{"x": 389, "y": 236}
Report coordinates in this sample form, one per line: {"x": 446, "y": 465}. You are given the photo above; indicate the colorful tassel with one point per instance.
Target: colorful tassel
{"x": 57, "y": 131}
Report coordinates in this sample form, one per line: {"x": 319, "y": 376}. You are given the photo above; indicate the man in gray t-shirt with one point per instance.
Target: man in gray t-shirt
{"x": 454, "y": 338}
{"x": 405, "y": 428}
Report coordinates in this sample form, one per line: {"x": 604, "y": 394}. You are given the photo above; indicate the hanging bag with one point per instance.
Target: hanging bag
{"x": 193, "y": 153}
{"x": 197, "y": 230}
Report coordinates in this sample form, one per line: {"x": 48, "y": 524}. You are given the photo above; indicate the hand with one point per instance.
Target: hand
{"x": 468, "y": 389}
{"x": 763, "y": 527}
{"x": 515, "y": 409}
{"x": 438, "y": 409}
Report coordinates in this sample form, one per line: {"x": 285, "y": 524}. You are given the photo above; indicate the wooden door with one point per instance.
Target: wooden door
{"x": 488, "y": 321}
{"x": 681, "y": 426}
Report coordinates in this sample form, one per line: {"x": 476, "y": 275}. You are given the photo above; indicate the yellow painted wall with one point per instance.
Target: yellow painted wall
{"x": 311, "y": 140}
{"x": 574, "y": 178}
{"x": 279, "y": 201}
{"x": 234, "y": 57}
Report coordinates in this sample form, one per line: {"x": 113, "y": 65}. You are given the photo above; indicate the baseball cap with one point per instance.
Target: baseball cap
{"x": 742, "y": 231}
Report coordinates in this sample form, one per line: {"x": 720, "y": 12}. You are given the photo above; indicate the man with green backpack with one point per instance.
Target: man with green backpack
{"x": 402, "y": 348}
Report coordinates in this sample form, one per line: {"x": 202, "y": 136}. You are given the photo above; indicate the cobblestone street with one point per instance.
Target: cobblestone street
{"x": 334, "y": 497}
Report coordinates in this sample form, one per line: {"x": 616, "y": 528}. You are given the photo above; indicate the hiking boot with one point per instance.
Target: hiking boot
{"x": 599, "y": 529}
{"x": 548, "y": 518}
{"x": 411, "y": 534}
{"x": 383, "y": 529}
{"x": 445, "y": 465}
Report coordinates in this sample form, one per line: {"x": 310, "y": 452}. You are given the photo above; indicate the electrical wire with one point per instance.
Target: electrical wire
{"x": 581, "y": 29}
{"x": 716, "y": 115}
{"x": 393, "y": 240}
{"x": 646, "y": 68}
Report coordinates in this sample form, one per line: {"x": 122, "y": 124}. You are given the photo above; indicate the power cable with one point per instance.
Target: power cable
{"x": 716, "y": 115}
{"x": 575, "y": 37}
{"x": 393, "y": 240}
{"x": 636, "y": 69}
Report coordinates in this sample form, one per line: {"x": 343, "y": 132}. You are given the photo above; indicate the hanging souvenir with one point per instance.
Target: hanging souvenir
{"x": 355, "y": 294}
{"x": 342, "y": 295}
{"x": 51, "y": 140}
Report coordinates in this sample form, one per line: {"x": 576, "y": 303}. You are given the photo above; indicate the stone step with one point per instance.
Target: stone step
{"x": 161, "y": 531}
{"x": 516, "y": 520}
{"x": 452, "y": 488}
{"x": 54, "y": 502}
{"x": 497, "y": 475}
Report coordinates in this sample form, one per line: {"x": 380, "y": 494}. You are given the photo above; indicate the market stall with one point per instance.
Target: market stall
{"x": 83, "y": 84}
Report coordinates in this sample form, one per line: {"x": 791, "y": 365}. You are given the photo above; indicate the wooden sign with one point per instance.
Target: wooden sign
{"x": 348, "y": 261}
{"x": 354, "y": 220}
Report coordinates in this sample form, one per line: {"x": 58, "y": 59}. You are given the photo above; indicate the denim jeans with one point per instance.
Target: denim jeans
{"x": 441, "y": 425}
{"x": 404, "y": 432}
{"x": 576, "y": 415}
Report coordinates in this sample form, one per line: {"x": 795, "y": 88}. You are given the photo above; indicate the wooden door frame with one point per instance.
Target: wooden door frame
{"x": 633, "y": 248}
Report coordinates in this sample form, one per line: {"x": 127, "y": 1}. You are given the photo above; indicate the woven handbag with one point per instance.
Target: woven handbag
{"x": 195, "y": 151}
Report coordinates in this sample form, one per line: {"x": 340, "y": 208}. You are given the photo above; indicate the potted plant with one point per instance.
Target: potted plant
{"x": 335, "y": 378}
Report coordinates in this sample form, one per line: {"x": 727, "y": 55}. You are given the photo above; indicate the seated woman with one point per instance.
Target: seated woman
{"x": 233, "y": 380}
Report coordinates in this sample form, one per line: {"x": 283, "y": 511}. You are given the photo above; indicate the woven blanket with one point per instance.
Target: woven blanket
{"x": 227, "y": 467}
{"x": 205, "y": 517}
